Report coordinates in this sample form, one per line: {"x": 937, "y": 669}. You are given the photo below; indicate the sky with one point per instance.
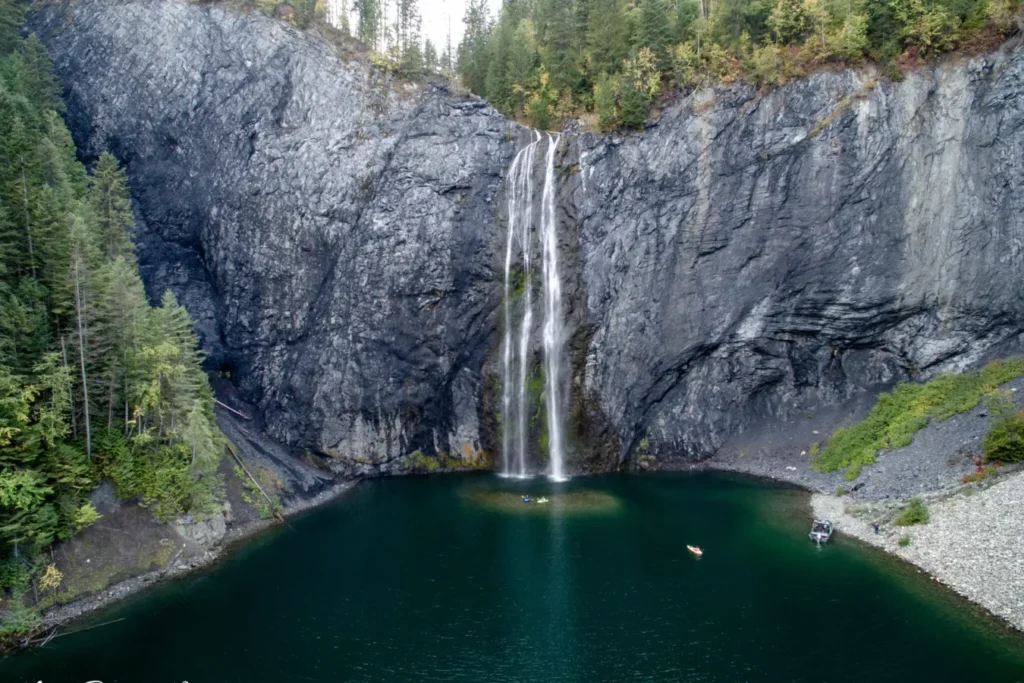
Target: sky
{"x": 436, "y": 14}
{"x": 435, "y": 19}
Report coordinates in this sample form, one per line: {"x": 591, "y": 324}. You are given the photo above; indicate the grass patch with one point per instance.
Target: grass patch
{"x": 898, "y": 415}
{"x": 904, "y": 541}
{"x": 915, "y": 513}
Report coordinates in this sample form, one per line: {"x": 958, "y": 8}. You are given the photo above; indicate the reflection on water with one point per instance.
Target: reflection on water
{"x": 557, "y": 505}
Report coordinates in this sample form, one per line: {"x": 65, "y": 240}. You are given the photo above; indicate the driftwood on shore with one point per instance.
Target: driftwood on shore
{"x": 241, "y": 464}
{"x": 231, "y": 410}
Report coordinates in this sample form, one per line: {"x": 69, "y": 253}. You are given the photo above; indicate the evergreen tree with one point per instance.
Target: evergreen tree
{"x": 94, "y": 383}
{"x": 430, "y": 58}
{"x": 12, "y": 18}
{"x": 654, "y": 31}
{"x": 559, "y": 56}
{"x": 473, "y": 52}
{"x": 369, "y": 27}
{"x": 108, "y": 194}
{"x": 607, "y": 36}
{"x": 522, "y": 65}
{"x": 498, "y": 85}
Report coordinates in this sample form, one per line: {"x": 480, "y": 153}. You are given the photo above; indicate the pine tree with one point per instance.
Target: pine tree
{"x": 473, "y": 53}
{"x": 83, "y": 357}
{"x": 12, "y": 18}
{"x": 430, "y": 58}
{"x": 498, "y": 86}
{"x": 522, "y": 64}
{"x": 369, "y": 28}
{"x": 654, "y": 31}
{"x": 40, "y": 84}
{"x": 788, "y": 21}
{"x": 607, "y": 36}
{"x": 559, "y": 56}
{"x": 81, "y": 283}
{"x": 108, "y": 195}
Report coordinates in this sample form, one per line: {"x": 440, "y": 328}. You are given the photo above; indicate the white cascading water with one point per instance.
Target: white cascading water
{"x": 520, "y": 221}
{"x": 554, "y": 325}
{"x": 516, "y": 347}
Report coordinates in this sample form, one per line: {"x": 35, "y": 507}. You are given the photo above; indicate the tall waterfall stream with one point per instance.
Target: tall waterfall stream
{"x": 523, "y": 220}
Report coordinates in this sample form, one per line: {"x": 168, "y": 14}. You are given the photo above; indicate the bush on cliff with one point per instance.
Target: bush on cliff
{"x": 898, "y": 415}
{"x": 1005, "y": 442}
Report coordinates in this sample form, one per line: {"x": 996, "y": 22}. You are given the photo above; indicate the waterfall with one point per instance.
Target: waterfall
{"x": 520, "y": 221}
{"x": 519, "y": 332}
{"x": 554, "y": 325}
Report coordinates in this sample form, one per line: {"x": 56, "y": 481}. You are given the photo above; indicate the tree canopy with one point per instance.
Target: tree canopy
{"x": 95, "y": 383}
{"x": 541, "y": 60}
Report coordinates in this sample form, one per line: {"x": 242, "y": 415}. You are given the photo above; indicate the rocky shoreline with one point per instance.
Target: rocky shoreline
{"x": 62, "y": 614}
{"x": 973, "y": 543}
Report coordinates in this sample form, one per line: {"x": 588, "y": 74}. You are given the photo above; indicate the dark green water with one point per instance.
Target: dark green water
{"x": 442, "y": 578}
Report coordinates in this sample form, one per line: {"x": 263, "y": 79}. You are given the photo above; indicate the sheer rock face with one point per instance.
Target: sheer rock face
{"x": 333, "y": 234}
{"x": 747, "y": 258}
{"x": 752, "y": 257}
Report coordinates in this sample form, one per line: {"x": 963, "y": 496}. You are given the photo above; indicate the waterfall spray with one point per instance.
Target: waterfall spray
{"x": 520, "y": 227}
{"x": 516, "y": 347}
{"x": 554, "y": 325}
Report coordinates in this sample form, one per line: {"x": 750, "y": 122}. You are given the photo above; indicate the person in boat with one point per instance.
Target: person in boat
{"x": 526, "y": 498}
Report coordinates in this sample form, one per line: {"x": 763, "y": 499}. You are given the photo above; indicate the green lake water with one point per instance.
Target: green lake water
{"x": 454, "y": 578}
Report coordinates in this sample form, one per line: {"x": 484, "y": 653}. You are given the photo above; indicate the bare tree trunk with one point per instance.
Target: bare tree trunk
{"x": 28, "y": 226}
{"x": 71, "y": 391}
{"x": 79, "y": 304}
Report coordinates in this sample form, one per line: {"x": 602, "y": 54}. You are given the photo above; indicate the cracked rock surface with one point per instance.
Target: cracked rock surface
{"x": 748, "y": 258}
{"x": 331, "y": 232}
{"x": 751, "y": 258}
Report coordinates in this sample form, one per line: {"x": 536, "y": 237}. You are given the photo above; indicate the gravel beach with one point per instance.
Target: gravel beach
{"x": 974, "y": 542}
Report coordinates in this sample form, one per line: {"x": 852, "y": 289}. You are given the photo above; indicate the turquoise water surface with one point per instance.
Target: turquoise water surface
{"x": 453, "y": 578}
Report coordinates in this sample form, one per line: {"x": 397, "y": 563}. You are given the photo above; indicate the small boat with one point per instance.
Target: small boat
{"x": 542, "y": 500}
{"x": 821, "y": 531}
{"x": 527, "y": 499}
{"x": 695, "y": 550}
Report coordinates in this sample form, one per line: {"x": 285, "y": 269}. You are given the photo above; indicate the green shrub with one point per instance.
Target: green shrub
{"x": 900, "y": 414}
{"x": 904, "y": 541}
{"x": 815, "y": 450}
{"x": 1005, "y": 441}
{"x": 915, "y": 513}
{"x": 19, "y": 619}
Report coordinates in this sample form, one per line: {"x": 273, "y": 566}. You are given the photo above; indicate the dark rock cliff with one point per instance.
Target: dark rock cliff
{"x": 340, "y": 239}
{"x": 333, "y": 234}
{"x": 752, "y": 257}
